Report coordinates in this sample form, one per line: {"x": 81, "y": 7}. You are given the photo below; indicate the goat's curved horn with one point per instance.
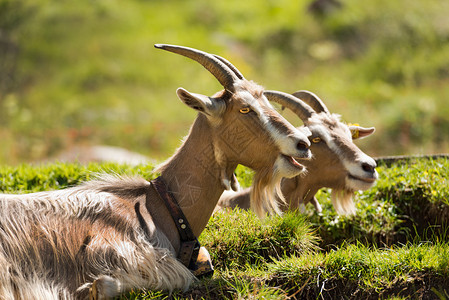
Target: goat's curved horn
{"x": 215, "y": 66}
{"x": 313, "y": 100}
{"x": 299, "y": 107}
{"x": 231, "y": 66}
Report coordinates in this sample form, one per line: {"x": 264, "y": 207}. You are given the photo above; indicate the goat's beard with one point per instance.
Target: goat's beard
{"x": 342, "y": 201}
{"x": 266, "y": 192}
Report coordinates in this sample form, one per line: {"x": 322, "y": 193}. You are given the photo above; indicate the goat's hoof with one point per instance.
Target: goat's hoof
{"x": 104, "y": 288}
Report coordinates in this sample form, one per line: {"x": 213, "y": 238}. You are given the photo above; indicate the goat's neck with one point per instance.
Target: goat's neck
{"x": 194, "y": 175}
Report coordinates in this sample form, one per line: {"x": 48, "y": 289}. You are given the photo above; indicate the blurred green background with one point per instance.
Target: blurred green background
{"x": 86, "y": 73}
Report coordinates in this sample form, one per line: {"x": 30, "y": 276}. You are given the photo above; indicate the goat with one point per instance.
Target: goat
{"x": 337, "y": 162}
{"x": 113, "y": 234}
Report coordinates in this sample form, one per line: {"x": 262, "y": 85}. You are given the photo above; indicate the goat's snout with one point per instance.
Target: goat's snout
{"x": 369, "y": 167}
{"x": 361, "y": 173}
{"x": 302, "y": 146}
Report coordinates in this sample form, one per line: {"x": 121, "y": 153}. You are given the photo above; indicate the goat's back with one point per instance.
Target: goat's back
{"x": 72, "y": 236}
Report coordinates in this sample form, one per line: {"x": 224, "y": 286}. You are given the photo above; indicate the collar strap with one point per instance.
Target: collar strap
{"x": 188, "y": 252}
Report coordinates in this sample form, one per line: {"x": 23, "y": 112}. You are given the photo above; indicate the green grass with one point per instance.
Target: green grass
{"x": 240, "y": 238}
{"x": 367, "y": 271}
{"x": 27, "y": 179}
{"x": 396, "y": 247}
{"x": 410, "y": 199}
{"x": 410, "y": 271}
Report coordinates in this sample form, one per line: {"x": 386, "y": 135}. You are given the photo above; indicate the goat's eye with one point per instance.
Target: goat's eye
{"x": 316, "y": 140}
{"x": 245, "y": 110}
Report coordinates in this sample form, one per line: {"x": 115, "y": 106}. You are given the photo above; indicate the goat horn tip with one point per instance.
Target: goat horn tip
{"x": 159, "y": 46}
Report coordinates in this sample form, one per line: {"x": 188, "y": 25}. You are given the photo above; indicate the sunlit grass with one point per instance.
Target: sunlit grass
{"x": 370, "y": 269}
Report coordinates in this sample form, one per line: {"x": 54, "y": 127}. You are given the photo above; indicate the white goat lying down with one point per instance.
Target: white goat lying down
{"x": 108, "y": 236}
{"x": 337, "y": 162}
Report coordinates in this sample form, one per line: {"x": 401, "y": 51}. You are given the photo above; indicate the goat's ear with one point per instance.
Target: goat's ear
{"x": 206, "y": 105}
{"x": 359, "y": 132}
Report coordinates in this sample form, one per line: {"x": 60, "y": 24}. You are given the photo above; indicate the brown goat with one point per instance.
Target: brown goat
{"x": 114, "y": 234}
{"x": 337, "y": 162}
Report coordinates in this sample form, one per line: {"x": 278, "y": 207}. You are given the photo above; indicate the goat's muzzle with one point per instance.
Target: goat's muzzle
{"x": 362, "y": 175}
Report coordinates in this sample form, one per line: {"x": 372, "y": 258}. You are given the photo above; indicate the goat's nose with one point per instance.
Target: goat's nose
{"x": 301, "y": 146}
{"x": 369, "y": 167}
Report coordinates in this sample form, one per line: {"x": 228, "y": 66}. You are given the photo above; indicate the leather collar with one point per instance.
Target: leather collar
{"x": 190, "y": 246}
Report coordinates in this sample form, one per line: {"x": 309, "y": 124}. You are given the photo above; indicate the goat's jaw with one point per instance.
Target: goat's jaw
{"x": 288, "y": 166}
{"x": 360, "y": 183}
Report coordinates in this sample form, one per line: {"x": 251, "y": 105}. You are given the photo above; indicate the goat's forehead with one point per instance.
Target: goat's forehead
{"x": 251, "y": 93}
{"x": 329, "y": 128}
{"x": 330, "y": 120}
{"x": 256, "y": 101}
